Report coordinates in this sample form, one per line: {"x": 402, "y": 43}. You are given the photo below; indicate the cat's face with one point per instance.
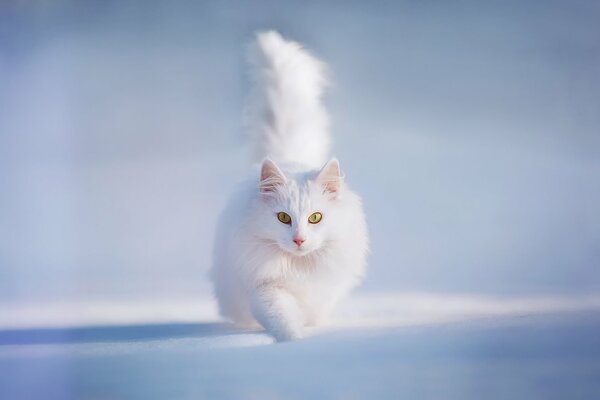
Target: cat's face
{"x": 299, "y": 212}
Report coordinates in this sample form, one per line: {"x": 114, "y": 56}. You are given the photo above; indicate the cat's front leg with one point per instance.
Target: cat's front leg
{"x": 277, "y": 310}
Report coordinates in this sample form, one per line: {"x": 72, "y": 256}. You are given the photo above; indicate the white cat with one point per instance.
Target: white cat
{"x": 293, "y": 240}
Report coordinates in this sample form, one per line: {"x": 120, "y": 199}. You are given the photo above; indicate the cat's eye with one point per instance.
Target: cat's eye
{"x": 315, "y": 218}
{"x": 284, "y": 218}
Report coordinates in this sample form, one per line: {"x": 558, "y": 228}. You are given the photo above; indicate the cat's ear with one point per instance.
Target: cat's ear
{"x": 270, "y": 177}
{"x": 330, "y": 177}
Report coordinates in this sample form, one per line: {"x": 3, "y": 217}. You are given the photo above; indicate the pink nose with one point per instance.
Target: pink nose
{"x": 298, "y": 241}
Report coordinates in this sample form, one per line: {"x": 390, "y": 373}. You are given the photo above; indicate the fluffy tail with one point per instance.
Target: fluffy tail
{"x": 285, "y": 114}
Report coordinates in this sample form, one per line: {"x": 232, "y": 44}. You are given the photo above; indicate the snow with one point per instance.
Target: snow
{"x": 379, "y": 346}
{"x": 362, "y": 310}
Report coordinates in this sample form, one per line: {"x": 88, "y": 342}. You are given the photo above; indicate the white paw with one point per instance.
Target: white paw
{"x": 287, "y": 335}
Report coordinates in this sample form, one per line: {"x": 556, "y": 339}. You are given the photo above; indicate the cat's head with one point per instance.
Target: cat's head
{"x": 300, "y": 211}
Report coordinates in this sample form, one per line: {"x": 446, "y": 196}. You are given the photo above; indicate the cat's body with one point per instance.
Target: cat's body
{"x": 293, "y": 240}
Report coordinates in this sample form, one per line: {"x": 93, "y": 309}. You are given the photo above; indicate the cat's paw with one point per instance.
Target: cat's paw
{"x": 277, "y": 310}
{"x": 287, "y": 335}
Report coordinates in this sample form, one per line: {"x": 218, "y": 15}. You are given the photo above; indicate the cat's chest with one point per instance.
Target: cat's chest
{"x": 311, "y": 271}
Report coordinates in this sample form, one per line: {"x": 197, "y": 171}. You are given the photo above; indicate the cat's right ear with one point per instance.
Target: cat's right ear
{"x": 270, "y": 177}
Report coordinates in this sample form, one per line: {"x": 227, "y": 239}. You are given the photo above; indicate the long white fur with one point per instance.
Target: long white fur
{"x": 260, "y": 275}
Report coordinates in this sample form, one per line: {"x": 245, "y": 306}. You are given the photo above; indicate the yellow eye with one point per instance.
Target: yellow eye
{"x": 315, "y": 218}
{"x": 284, "y": 218}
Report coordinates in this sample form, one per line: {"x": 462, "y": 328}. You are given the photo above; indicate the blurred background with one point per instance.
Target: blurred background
{"x": 471, "y": 129}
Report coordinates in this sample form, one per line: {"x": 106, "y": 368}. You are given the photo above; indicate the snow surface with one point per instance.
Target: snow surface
{"x": 380, "y": 346}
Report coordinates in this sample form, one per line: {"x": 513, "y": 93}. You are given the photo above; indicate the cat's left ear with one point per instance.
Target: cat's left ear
{"x": 330, "y": 177}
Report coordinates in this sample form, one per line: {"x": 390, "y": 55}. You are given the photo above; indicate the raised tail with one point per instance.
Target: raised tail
{"x": 286, "y": 116}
